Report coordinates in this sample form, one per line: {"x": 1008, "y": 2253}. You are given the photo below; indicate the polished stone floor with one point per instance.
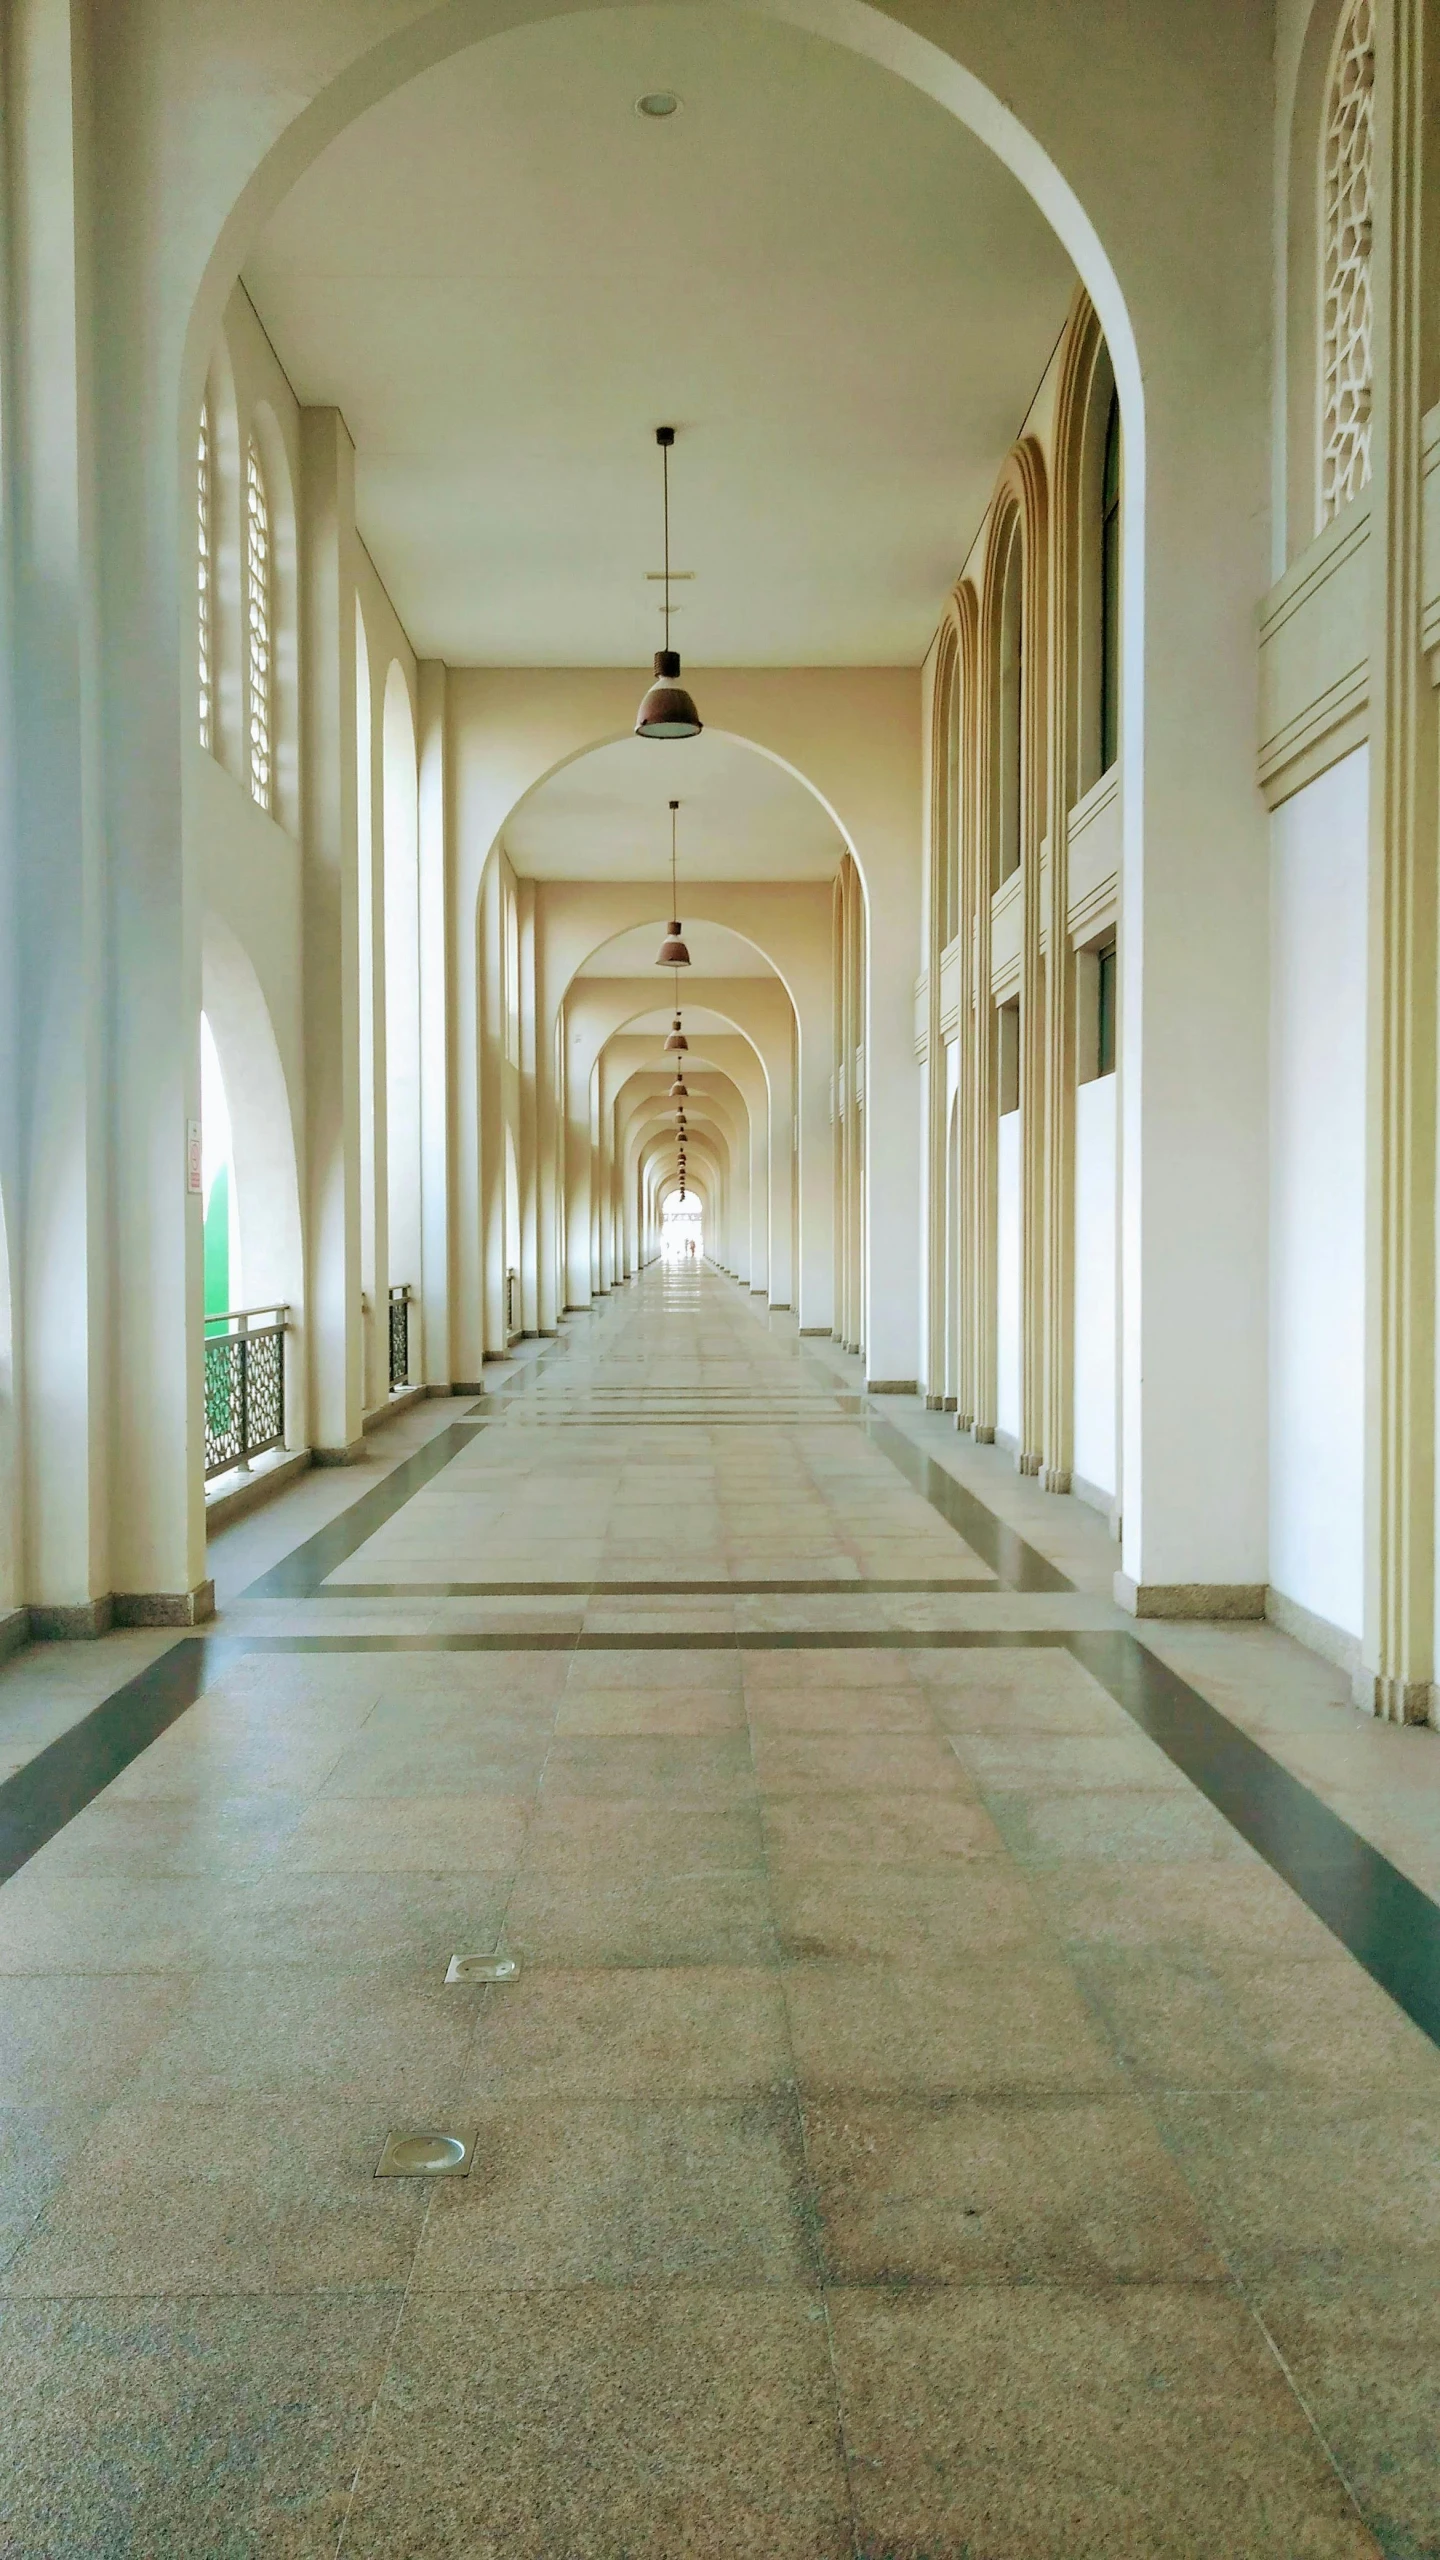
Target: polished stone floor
{"x": 931, "y": 2116}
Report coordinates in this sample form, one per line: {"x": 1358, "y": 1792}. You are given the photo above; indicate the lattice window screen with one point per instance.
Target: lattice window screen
{"x": 1346, "y": 213}
{"x": 205, "y": 577}
{"x": 257, "y": 612}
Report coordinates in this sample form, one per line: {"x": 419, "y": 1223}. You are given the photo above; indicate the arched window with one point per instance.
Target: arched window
{"x": 257, "y": 624}
{"x": 1012, "y": 660}
{"x": 1346, "y": 177}
{"x": 205, "y": 576}
{"x": 1110, "y": 590}
{"x": 951, "y": 842}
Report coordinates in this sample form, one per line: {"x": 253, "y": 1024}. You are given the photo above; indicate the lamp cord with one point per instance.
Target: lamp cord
{"x": 665, "y": 474}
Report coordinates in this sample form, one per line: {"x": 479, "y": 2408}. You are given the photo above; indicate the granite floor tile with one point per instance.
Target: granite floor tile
{"x": 875, "y": 1829}
{"x": 387, "y": 1835}
{"x": 906, "y": 1918}
{"x": 630, "y": 2032}
{"x": 1008, "y": 2023}
{"x": 237, "y": 2196}
{"x": 166, "y": 2429}
{"x": 946, "y": 2191}
{"x": 1030, "y": 2422}
{"x": 624, "y": 2192}
{"x": 607, "y": 1917}
{"x": 640, "y": 2426}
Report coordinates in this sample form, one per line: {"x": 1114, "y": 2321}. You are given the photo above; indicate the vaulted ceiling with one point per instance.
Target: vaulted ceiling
{"x": 506, "y": 277}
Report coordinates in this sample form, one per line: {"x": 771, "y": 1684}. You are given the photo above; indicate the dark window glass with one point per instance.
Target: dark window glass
{"x": 1110, "y": 591}
{"x": 1012, "y": 688}
{"x": 1105, "y": 992}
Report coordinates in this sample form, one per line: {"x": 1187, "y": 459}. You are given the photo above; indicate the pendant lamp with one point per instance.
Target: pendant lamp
{"x": 679, "y": 1091}
{"x": 672, "y": 953}
{"x": 675, "y": 1038}
{"x": 667, "y": 710}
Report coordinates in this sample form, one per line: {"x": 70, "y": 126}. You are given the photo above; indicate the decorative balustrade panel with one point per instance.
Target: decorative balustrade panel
{"x": 244, "y": 1396}
{"x": 399, "y": 1338}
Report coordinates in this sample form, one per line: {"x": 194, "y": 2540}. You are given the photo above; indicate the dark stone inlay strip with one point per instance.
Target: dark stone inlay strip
{"x": 1387, "y": 1923}
{"x": 63, "y": 1778}
{"x": 1021, "y": 1567}
{"x": 299, "y": 1575}
{"x": 825, "y": 1590}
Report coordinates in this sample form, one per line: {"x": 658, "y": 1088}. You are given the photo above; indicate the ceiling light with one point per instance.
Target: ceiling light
{"x": 667, "y": 710}
{"x": 672, "y": 953}
{"x": 675, "y": 1037}
{"x": 679, "y": 1091}
{"x": 658, "y": 102}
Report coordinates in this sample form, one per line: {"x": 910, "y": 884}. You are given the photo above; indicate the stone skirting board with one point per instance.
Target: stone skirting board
{"x": 259, "y": 1486}
{"x": 14, "y": 1631}
{"x": 1190, "y": 1599}
{"x": 80, "y": 1621}
{"x": 890, "y": 1387}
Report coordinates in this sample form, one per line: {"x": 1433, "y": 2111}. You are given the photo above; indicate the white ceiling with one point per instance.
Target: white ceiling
{"x": 607, "y": 817}
{"x": 715, "y": 952}
{"x": 506, "y": 278}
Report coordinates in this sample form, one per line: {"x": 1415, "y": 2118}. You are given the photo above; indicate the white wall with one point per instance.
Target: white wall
{"x": 1317, "y": 1218}
{"x": 1095, "y": 1284}
{"x": 1007, "y": 1279}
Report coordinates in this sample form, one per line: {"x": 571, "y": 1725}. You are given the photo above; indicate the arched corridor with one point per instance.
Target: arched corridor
{"x": 719, "y": 1475}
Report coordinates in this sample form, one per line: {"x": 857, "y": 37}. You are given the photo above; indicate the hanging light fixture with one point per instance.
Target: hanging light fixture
{"x": 667, "y": 710}
{"x": 672, "y": 953}
{"x": 675, "y": 1037}
{"x": 679, "y": 1091}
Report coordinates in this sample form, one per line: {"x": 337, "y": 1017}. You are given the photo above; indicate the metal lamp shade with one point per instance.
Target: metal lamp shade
{"x": 667, "y": 710}
{"x": 672, "y": 953}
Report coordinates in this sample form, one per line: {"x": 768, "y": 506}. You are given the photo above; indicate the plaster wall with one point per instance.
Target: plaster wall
{"x": 1317, "y": 1226}
{"x": 1095, "y": 1296}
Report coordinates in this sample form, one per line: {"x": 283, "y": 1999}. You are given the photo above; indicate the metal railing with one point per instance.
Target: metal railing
{"x": 400, "y": 1337}
{"x": 244, "y": 1386}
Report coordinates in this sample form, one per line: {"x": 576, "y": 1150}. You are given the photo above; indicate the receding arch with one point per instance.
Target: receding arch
{"x": 262, "y": 1129}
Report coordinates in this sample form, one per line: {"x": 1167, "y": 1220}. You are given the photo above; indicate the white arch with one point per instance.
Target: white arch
{"x": 262, "y": 1129}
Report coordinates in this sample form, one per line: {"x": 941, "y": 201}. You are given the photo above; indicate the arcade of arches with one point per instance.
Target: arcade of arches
{"x": 719, "y": 1818}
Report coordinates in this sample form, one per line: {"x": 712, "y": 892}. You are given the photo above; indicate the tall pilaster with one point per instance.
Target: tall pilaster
{"x": 1398, "y": 1649}
{"x": 330, "y": 863}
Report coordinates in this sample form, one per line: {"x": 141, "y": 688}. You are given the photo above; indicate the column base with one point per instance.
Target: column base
{"x": 815, "y": 1332}
{"x": 984, "y": 1433}
{"x": 339, "y": 1457}
{"x": 165, "y": 1608}
{"x": 1055, "y": 1479}
{"x": 14, "y": 1631}
{"x": 70, "y": 1622}
{"x": 1214, "y": 1600}
{"x": 934, "y": 1404}
{"x": 1392, "y": 1700}
{"x": 947, "y": 1404}
{"x": 1027, "y": 1462}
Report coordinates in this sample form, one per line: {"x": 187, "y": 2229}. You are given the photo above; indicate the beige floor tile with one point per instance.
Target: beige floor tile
{"x": 1028, "y": 2191}
{"x": 1010, "y": 2023}
{"x": 639, "y": 2426}
{"x": 1080, "y": 2425}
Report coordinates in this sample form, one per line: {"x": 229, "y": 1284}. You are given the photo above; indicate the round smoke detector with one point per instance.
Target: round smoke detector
{"x": 657, "y": 103}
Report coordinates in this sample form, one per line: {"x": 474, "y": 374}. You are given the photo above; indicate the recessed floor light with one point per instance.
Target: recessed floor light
{"x": 657, "y": 102}
{"x": 483, "y": 1969}
{"x": 425, "y": 2155}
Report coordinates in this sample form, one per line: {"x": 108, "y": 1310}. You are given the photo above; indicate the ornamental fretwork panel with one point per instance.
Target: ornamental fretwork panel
{"x": 1346, "y": 217}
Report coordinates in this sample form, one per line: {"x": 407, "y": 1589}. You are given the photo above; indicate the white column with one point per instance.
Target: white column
{"x": 331, "y": 923}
